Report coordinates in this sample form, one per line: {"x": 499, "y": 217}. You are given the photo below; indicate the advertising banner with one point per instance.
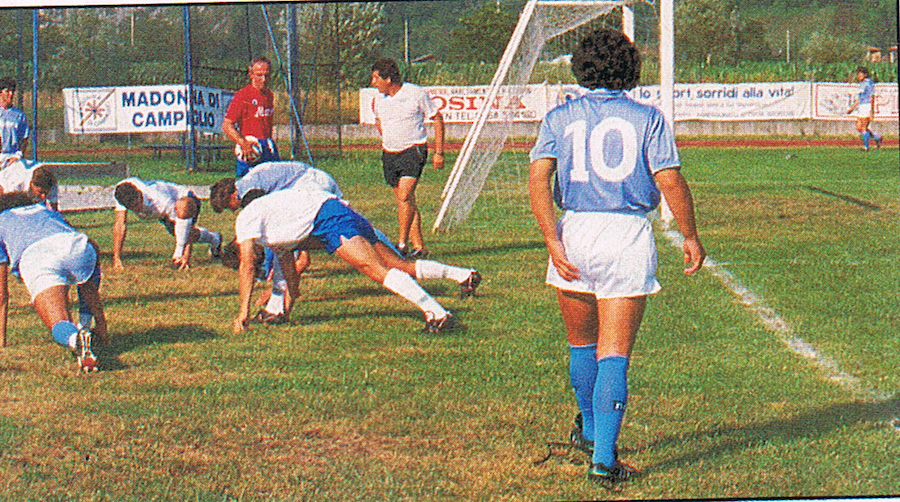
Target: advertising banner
{"x": 524, "y": 103}
{"x": 833, "y": 100}
{"x": 735, "y": 102}
{"x": 143, "y": 109}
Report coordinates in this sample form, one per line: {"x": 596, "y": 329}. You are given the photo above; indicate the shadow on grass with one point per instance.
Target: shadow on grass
{"x": 489, "y": 250}
{"x": 126, "y": 342}
{"x": 808, "y": 425}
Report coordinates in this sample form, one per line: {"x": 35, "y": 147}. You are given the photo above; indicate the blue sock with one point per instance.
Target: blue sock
{"x": 63, "y": 331}
{"x": 610, "y": 397}
{"x": 865, "y": 137}
{"x": 583, "y": 374}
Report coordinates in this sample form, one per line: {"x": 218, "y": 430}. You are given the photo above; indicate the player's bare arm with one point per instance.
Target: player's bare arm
{"x": 120, "y": 230}
{"x": 678, "y": 196}
{"x": 540, "y": 176}
{"x": 437, "y": 160}
{"x": 230, "y": 130}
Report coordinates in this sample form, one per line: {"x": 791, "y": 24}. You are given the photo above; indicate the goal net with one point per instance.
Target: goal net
{"x": 540, "y": 21}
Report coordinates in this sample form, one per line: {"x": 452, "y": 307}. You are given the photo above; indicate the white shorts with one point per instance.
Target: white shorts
{"x": 61, "y": 259}
{"x": 864, "y": 111}
{"x": 615, "y": 254}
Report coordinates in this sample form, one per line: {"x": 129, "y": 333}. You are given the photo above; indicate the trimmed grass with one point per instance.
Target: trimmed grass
{"x": 350, "y": 401}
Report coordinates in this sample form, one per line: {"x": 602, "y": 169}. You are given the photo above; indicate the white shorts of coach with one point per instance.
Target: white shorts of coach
{"x": 615, "y": 254}
{"x": 864, "y": 111}
{"x": 60, "y": 259}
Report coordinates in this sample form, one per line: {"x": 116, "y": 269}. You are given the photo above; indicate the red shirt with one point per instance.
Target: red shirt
{"x": 252, "y": 111}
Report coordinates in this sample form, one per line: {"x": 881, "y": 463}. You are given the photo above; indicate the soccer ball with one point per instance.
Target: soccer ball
{"x": 254, "y": 156}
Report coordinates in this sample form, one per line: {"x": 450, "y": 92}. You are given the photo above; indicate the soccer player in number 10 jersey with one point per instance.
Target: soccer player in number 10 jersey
{"x": 612, "y": 158}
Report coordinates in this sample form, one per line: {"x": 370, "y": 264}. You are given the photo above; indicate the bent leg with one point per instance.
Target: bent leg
{"x": 52, "y": 306}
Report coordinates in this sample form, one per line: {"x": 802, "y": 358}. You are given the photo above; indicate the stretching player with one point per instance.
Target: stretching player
{"x": 175, "y": 206}
{"x": 306, "y": 216}
{"x": 611, "y": 157}
{"x": 266, "y": 178}
{"x": 49, "y": 255}
{"x": 32, "y": 177}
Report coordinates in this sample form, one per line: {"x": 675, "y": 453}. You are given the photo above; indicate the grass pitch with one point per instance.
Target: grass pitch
{"x": 350, "y": 401}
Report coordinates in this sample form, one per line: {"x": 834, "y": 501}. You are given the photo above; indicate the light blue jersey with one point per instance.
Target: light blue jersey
{"x": 21, "y": 227}
{"x": 866, "y": 89}
{"x": 13, "y": 129}
{"x": 275, "y": 176}
{"x": 607, "y": 148}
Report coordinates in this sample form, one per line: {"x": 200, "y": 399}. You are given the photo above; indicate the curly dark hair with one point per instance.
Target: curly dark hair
{"x": 220, "y": 193}
{"x": 607, "y": 59}
{"x": 10, "y": 200}
{"x": 388, "y": 70}
{"x": 128, "y": 195}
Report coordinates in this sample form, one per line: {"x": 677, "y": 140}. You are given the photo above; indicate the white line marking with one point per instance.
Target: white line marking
{"x": 780, "y": 327}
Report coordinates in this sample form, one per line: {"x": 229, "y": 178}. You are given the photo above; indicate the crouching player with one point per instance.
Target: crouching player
{"x": 306, "y": 216}
{"x": 32, "y": 177}
{"x": 175, "y": 206}
{"x": 611, "y": 157}
{"x": 49, "y": 255}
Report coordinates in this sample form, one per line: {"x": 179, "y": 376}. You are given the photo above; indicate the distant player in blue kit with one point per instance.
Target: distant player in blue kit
{"x": 864, "y": 105}
{"x": 307, "y": 217}
{"x": 14, "y": 130}
{"x": 175, "y": 206}
{"x": 612, "y": 157}
{"x": 38, "y": 246}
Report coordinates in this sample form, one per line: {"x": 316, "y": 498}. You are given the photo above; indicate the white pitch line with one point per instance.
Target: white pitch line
{"x": 780, "y": 327}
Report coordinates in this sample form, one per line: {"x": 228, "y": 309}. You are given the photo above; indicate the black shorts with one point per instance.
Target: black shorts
{"x": 409, "y": 162}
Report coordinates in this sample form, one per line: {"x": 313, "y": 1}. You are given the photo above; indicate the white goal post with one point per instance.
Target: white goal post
{"x": 539, "y": 21}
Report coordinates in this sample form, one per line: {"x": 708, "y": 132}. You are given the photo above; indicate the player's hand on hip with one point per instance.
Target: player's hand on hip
{"x": 694, "y": 254}
{"x": 564, "y": 267}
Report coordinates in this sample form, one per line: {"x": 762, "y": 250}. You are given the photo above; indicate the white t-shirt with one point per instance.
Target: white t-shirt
{"x": 282, "y": 219}
{"x": 159, "y": 198}
{"x": 274, "y": 176}
{"x": 403, "y": 117}
{"x": 16, "y": 177}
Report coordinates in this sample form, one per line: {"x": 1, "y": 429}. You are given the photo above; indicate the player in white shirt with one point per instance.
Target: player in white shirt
{"x": 604, "y": 159}
{"x": 305, "y": 217}
{"x": 38, "y": 246}
{"x": 400, "y": 111}
{"x": 175, "y": 206}
{"x": 268, "y": 177}
{"x": 31, "y": 177}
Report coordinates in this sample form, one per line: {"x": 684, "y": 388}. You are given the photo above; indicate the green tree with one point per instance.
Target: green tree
{"x": 482, "y": 35}
{"x": 824, "y": 49}
{"x": 704, "y": 31}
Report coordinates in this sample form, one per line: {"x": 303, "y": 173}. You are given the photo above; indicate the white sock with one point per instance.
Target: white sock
{"x": 182, "y": 234}
{"x": 430, "y": 269}
{"x": 276, "y": 301}
{"x": 402, "y": 284}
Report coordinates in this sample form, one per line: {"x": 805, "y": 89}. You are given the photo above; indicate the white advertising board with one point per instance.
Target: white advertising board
{"x": 714, "y": 102}
{"x": 143, "y": 109}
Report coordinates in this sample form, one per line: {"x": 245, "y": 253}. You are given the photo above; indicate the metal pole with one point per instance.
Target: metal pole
{"x": 190, "y": 153}
{"x": 35, "y": 18}
{"x": 291, "y": 13}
